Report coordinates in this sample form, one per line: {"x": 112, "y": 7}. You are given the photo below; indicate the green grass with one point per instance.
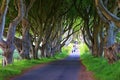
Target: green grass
{"x": 19, "y": 65}
{"x": 83, "y": 48}
{"x": 100, "y": 67}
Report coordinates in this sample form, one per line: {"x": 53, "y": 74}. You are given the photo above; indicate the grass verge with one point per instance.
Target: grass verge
{"x": 100, "y": 67}
{"x": 18, "y": 66}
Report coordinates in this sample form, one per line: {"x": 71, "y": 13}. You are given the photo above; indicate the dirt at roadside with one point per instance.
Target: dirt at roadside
{"x": 84, "y": 74}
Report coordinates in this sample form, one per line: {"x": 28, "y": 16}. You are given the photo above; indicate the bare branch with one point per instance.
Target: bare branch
{"x": 107, "y": 14}
{"x": 3, "y": 12}
{"x": 16, "y": 21}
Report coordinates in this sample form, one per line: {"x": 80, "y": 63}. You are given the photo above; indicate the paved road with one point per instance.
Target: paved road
{"x": 67, "y": 69}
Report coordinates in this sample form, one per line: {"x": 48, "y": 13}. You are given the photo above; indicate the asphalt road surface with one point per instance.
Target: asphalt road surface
{"x": 67, "y": 69}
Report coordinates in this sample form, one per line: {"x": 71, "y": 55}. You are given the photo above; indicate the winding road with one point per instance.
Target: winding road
{"x": 67, "y": 69}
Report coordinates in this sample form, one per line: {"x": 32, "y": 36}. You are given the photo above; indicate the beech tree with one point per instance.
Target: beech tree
{"x": 49, "y": 25}
{"x": 46, "y": 25}
{"x": 8, "y": 45}
{"x": 24, "y": 45}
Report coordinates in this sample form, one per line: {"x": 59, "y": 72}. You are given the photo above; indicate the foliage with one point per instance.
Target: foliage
{"x": 118, "y": 37}
{"x": 83, "y": 48}
{"x": 19, "y": 65}
{"x": 67, "y": 48}
{"x": 100, "y": 67}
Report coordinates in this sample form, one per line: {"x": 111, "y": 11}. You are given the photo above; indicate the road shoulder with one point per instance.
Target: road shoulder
{"x": 84, "y": 74}
{"x": 28, "y": 69}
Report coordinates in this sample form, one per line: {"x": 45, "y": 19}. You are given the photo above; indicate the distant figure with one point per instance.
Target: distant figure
{"x": 74, "y": 47}
{"x": 73, "y": 50}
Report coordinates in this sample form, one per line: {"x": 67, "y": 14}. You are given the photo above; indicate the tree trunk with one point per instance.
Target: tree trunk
{"x": 3, "y": 12}
{"x": 3, "y": 44}
{"x": 43, "y": 54}
{"x": 25, "y": 39}
{"x": 8, "y": 55}
{"x": 96, "y": 40}
{"x": 95, "y": 44}
{"x": 110, "y": 34}
{"x": 101, "y": 41}
{"x": 36, "y": 48}
{"x": 108, "y": 15}
{"x": 9, "y": 49}
{"x": 47, "y": 50}
{"x": 18, "y": 45}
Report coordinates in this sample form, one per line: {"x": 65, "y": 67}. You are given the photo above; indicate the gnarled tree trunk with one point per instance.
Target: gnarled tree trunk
{"x": 36, "y": 47}
{"x": 8, "y": 46}
{"x": 26, "y": 40}
{"x": 3, "y": 12}
{"x": 110, "y": 34}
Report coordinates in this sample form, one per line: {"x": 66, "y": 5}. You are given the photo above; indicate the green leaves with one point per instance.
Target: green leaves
{"x": 85, "y": 3}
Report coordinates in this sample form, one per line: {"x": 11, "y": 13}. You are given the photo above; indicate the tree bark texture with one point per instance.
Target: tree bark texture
{"x": 8, "y": 45}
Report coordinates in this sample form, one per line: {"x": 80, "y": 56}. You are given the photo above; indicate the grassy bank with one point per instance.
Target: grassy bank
{"x": 100, "y": 67}
{"x": 19, "y": 65}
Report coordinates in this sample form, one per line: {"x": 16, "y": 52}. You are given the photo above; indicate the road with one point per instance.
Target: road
{"x": 67, "y": 69}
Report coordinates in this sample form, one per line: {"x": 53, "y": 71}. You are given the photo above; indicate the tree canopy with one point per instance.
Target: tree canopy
{"x": 46, "y": 25}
